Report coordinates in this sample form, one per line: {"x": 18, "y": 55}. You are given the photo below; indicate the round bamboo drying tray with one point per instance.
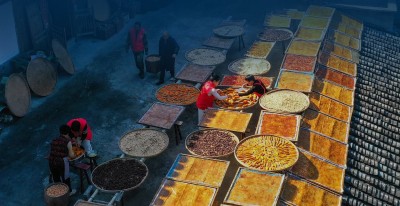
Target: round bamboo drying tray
{"x": 126, "y": 189}
{"x": 205, "y": 56}
{"x": 219, "y": 104}
{"x": 63, "y": 57}
{"x": 285, "y": 110}
{"x": 144, "y": 142}
{"x": 262, "y": 38}
{"x": 18, "y": 95}
{"x": 229, "y": 31}
{"x": 231, "y": 134}
{"x": 266, "y": 153}
{"x": 41, "y": 76}
{"x": 237, "y": 66}
{"x": 177, "y": 97}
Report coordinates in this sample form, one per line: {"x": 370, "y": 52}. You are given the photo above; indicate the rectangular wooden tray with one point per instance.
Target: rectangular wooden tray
{"x": 320, "y": 38}
{"x": 162, "y": 119}
{"x": 325, "y": 125}
{"x": 241, "y": 81}
{"x": 313, "y": 47}
{"x": 217, "y": 42}
{"x": 346, "y": 41}
{"x": 315, "y": 22}
{"x": 330, "y": 107}
{"x": 298, "y": 121}
{"x": 198, "y": 170}
{"x": 334, "y": 49}
{"x": 343, "y": 66}
{"x": 195, "y": 73}
{"x": 342, "y": 94}
{"x": 320, "y": 11}
{"x": 252, "y": 187}
{"x": 320, "y": 172}
{"x": 266, "y": 53}
{"x": 277, "y": 21}
{"x": 173, "y": 193}
{"x": 284, "y": 68}
{"x": 219, "y": 119}
{"x": 336, "y": 77}
{"x": 299, "y": 192}
{"x": 294, "y": 86}
{"x": 329, "y": 149}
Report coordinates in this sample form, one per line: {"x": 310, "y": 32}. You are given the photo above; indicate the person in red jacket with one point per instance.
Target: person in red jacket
{"x": 207, "y": 95}
{"x": 81, "y": 131}
{"x": 137, "y": 40}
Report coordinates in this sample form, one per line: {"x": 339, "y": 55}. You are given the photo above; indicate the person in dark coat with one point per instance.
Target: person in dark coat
{"x": 168, "y": 49}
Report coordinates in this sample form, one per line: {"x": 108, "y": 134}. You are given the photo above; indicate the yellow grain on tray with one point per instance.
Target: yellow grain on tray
{"x": 314, "y": 22}
{"x": 353, "y": 32}
{"x": 323, "y": 173}
{"x": 305, "y": 48}
{"x": 179, "y": 94}
{"x": 299, "y": 192}
{"x": 309, "y": 33}
{"x": 325, "y": 125}
{"x": 267, "y": 153}
{"x": 260, "y": 49}
{"x": 225, "y": 119}
{"x": 277, "y": 21}
{"x": 330, "y": 107}
{"x": 339, "y": 93}
{"x": 340, "y": 51}
{"x": 295, "y": 81}
{"x": 347, "y": 40}
{"x": 338, "y": 64}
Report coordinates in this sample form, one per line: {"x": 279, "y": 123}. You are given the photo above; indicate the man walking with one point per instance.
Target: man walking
{"x": 137, "y": 40}
{"x": 167, "y": 49}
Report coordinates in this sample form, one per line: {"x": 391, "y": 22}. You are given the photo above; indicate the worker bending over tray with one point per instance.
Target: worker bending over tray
{"x": 257, "y": 87}
{"x": 208, "y": 94}
{"x": 81, "y": 131}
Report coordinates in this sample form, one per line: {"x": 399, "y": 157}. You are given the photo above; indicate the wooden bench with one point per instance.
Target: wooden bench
{"x": 83, "y": 172}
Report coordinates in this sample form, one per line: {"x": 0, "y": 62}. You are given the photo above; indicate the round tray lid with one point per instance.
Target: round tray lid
{"x": 252, "y": 66}
{"x": 63, "y": 57}
{"x": 287, "y": 31}
{"x": 110, "y": 172}
{"x": 231, "y": 134}
{"x": 205, "y": 56}
{"x": 18, "y": 95}
{"x": 41, "y": 76}
{"x": 144, "y": 143}
{"x": 266, "y": 153}
{"x": 178, "y": 97}
{"x": 300, "y": 104}
{"x": 229, "y": 31}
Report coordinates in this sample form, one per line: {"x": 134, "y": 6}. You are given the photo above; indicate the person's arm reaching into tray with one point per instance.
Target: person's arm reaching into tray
{"x": 214, "y": 92}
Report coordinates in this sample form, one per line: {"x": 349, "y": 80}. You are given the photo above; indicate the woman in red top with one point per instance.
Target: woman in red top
{"x": 81, "y": 131}
{"x": 208, "y": 94}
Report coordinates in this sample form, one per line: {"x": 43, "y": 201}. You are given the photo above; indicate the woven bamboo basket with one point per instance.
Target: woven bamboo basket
{"x": 181, "y": 98}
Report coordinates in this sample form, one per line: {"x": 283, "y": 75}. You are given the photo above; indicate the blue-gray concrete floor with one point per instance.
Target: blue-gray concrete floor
{"x": 108, "y": 93}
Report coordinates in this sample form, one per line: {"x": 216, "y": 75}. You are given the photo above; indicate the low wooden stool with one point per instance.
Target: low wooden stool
{"x": 83, "y": 170}
{"x": 92, "y": 162}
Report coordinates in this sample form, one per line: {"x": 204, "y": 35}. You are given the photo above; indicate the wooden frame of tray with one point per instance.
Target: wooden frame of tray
{"x": 299, "y": 38}
{"x": 260, "y": 120}
{"x": 175, "y": 164}
{"x": 164, "y": 181}
{"x": 127, "y": 189}
{"x": 260, "y": 57}
{"x": 275, "y": 28}
{"x": 163, "y": 135}
{"x": 284, "y": 59}
{"x": 236, "y": 177}
{"x": 331, "y": 35}
{"x": 318, "y": 184}
{"x": 284, "y": 70}
{"x": 242, "y": 59}
{"x": 267, "y": 170}
{"x": 170, "y": 105}
{"x": 158, "y": 90}
{"x": 204, "y": 79}
{"x": 231, "y": 111}
{"x": 215, "y": 50}
{"x": 334, "y": 56}
{"x": 347, "y": 130}
{"x": 355, "y": 56}
{"x": 88, "y": 203}
{"x": 233, "y": 136}
{"x": 278, "y": 90}
{"x": 293, "y": 176}
{"x": 294, "y": 40}
{"x": 334, "y": 70}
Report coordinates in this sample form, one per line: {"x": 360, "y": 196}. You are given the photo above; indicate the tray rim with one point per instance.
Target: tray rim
{"x": 226, "y": 110}
{"x": 233, "y": 136}
{"x": 127, "y": 189}
{"x": 216, "y": 50}
{"x": 298, "y": 121}
{"x": 182, "y": 109}
{"x": 284, "y": 70}
{"x": 244, "y": 58}
{"x": 164, "y": 180}
{"x": 176, "y": 161}
{"x": 257, "y": 135}
{"x": 141, "y": 129}
{"x": 188, "y": 85}
{"x": 237, "y": 176}
{"x": 278, "y": 90}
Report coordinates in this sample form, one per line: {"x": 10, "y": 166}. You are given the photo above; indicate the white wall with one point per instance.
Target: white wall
{"x": 8, "y": 36}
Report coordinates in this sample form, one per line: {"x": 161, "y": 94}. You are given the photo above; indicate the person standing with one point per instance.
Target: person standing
{"x": 60, "y": 150}
{"x": 207, "y": 95}
{"x": 167, "y": 49}
{"x": 137, "y": 40}
{"x": 82, "y": 132}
